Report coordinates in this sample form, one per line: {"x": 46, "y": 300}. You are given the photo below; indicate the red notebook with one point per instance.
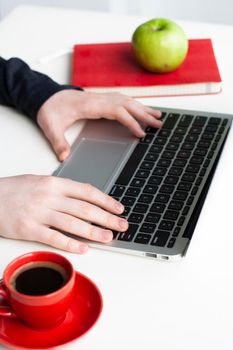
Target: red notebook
{"x": 110, "y": 67}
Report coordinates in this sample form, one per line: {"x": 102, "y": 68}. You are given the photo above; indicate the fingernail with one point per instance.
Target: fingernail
{"x": 119, "y": 207}
{"x": 83, "y": 248}
{"x": 63, "y": 155}
{"x": 123, "y": 224}
{"x": 107, "y": 235}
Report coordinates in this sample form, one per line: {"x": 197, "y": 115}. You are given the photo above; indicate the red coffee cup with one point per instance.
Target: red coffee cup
{"x": 37, "y": 288}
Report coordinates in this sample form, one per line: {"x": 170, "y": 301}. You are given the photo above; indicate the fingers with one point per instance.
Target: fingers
{"x": 60, "y": 145}
{"x": 58, "y": 142}
{"x": 126, "y": 119}
{"x": 144, "y": 114}
{"x": 70, "y": 224}
{"x": 91, "y": 194}
{"x": 133, "y": 114}
{"x": 59, "y": 240}
{"x": 91, "y": 213}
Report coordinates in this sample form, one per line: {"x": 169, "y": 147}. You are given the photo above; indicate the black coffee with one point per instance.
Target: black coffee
{"x": 39, "y": 280}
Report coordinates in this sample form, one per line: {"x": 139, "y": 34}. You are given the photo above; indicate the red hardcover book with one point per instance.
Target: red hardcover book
{"x": 112, "y": 67}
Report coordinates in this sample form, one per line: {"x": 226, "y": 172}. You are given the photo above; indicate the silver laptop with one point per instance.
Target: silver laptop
{"x": 162, "y": 179}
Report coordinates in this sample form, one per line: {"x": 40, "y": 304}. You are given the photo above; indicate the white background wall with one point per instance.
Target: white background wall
{"x": 220, "y": 11}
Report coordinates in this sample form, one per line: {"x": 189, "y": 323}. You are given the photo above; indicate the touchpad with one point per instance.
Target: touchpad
{"x": 94, "y": 161}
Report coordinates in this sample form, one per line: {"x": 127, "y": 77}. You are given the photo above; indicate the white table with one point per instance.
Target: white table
{"x": 147, "y": 304}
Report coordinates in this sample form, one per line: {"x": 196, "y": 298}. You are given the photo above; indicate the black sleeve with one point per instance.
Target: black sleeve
{"x": 25, "y": 89}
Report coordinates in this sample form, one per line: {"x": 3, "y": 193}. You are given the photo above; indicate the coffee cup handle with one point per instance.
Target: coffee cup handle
{"x": 5, "y": 310}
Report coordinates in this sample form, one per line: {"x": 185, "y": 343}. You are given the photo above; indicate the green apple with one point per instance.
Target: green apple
{"x": 160, "y": 45}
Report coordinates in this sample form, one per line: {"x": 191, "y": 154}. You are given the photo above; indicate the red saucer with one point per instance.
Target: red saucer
{"x": 82, "y": 315}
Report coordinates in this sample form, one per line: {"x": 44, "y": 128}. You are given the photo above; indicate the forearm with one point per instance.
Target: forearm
{"x": 25, "y": 89}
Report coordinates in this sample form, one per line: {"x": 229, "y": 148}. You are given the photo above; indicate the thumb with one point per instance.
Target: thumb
{"x": 60, "y": 145}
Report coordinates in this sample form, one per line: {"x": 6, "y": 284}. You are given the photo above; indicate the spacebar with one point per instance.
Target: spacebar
{"x": 132, "y": 164}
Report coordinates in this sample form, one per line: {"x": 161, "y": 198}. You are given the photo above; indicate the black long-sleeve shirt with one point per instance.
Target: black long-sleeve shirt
{"x": 25, "y": 89}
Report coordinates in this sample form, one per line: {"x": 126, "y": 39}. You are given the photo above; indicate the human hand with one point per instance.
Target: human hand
{"x": 39, "y": 208}
{"x": 67, "y": 106}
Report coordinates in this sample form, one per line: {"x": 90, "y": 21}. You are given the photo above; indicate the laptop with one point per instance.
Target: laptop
{"x": 162, "y": 179}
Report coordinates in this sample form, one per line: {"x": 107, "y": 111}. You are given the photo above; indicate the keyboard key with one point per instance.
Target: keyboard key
{"x": 117, "y": 191}
{"x": 200, "y": 152}
{"x": 132, "y": 191}
{"x": 147, "y": 165}
{"x": 156, "y": 149}
{"x": 151, "y": 157}
{"x": 189, "y": 177}
{"x": 142, "y": 238}
{"x": 148, "y": 228}
{"x": 175, "y": 205}
{"x": 180, "y": 131}
{"x": 196, "y": 160}
{"x": 192, "y": 168}
{"x": 204, "y": 144}
{"x": 132, "y": 164}
{"x": 166, "y": 225}
{"x": 155, "y": 180}
{"x": 164, "y": 133}
{"x": 135, "y": 218}
{"x": 129, "y": 234}
{"x": 167, "y": 189}
{"x": 159, "y": 171}
{"x": 199, "y": 121}
{"x": 157, "y": 207}
{"x": 190, "y": 200}
{"x": 194, "y": 190}
{"x": 185, "y": 210}
{"x": 151, "y": 189}
{"x": 171, "y": 242}
{"x": 145, "y": 198}
{"x": 164, "y": 162}
{"x": 185, "y": 120}
{"x": 176, "y": 138}
{"x": 126, "y": 211}
{"x": 176, "y": 232}
{"x": 187, "y": 146}
{"x": 142, "y": 173}
{"x": 171, "y": 215}
{"x": 152, "y": 217}
{"x": 171, "y": 180}
{"x": 181, "y": 221}
{"x": 184, "y": 154}
{"x": 211, "y": 128}
{"x": 195, "y": 130}
{"x": 208, "y": 136}
{"x": 147, "y": 139}
{"x": 179, "y": 162}
{"x": 175, "y": 171}
{"x": 168, "y": 154}
{"x": 162, "y": 198}
{"x": 184, "y": 186}
{"x": 191, "y": 138}
{"x": 172, "y": 146}
{"x": 137, "y": 182}
{"x": 180, "y": 195}
{"x": 141, "y": 208}
{"x": 151, "y": 130}
{"x": 214, "y": 120}
{"x": 171, "y": 121}
{"x": 160, "y": 141}
{"x": 160, "y": 238}
{"x": 128, "y": 201}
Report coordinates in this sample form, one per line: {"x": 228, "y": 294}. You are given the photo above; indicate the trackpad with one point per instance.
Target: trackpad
{"x": 94, "y": 161}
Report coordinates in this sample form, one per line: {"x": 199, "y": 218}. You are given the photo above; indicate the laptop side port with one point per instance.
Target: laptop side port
{"x": 151, "y": 255}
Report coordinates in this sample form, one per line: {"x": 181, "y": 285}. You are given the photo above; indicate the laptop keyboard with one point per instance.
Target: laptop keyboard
{"x": 163, "y": 179}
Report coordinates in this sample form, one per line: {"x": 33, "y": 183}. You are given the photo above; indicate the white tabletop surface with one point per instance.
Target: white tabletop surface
{"x": 186, "y": 305}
